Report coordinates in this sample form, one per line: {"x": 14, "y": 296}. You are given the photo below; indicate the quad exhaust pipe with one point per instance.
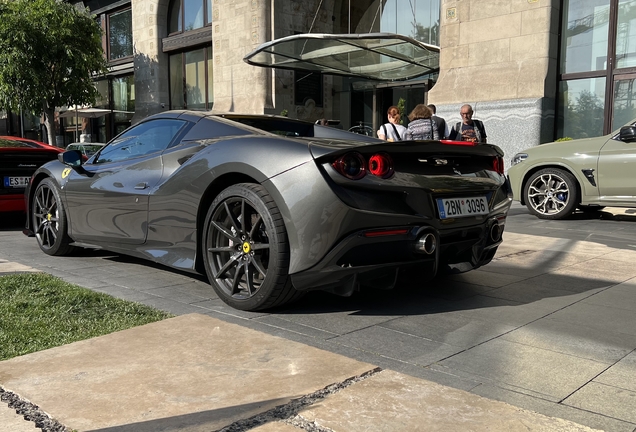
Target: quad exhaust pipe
{"x": 495, "y": 232}
{"x": 427, "y": 243}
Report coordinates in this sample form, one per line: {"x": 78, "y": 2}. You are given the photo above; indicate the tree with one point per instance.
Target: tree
{"x": 583, "y": 117}
{"x": 429, "y": 35}
{"x": 400, "y": 107}
{"x": 50, "y": 51}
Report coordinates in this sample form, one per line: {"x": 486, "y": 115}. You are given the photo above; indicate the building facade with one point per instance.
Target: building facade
{"x": 533, "y": 70}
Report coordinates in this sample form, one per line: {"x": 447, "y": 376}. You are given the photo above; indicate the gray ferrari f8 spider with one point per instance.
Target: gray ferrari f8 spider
{"x": 269, "y": 207}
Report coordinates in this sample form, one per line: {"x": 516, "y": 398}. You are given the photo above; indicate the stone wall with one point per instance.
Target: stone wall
{"x": 302, "y": 16}
{"x": 239, "y": 26}
{"x": 501, "y": 57}
{"x": 151, "y": 64}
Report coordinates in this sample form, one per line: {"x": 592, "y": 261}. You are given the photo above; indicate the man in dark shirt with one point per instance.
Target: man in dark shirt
{"x": 468, "y": 129}
{"x": 440, "y": 123}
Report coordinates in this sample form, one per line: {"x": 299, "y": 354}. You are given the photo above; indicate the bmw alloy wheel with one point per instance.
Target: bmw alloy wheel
{"x": 551, "y": 193}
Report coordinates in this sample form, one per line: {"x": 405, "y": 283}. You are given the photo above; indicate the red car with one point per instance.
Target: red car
{"x": 19, "y": 158}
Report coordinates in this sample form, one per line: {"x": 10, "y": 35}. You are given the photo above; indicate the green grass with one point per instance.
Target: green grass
{"x": 39, "y": 311}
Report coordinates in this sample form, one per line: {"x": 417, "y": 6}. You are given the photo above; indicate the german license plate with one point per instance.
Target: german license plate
{"x": 16, "y": 182}
{"x": 462, "y": 207}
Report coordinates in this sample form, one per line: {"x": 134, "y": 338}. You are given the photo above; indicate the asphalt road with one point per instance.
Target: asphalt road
{"x": 547, "y": 326}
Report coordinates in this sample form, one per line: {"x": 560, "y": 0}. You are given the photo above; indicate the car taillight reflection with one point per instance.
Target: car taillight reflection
{"x": 498, "y": 165}
{"x": 355, "y": 166}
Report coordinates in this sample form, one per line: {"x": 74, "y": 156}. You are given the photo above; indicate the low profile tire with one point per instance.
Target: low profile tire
{"x": 246, "y": 249}
{"x": 551, "y": 193}
{"x": 49, "y": 220}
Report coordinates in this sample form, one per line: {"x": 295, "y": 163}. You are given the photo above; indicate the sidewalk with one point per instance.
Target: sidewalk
{"x": 197, "y": 373}
{"x": 547, "y": 326}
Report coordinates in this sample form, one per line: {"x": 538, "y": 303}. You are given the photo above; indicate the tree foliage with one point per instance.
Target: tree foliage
{"x": 583, "y": 117}
{"x": 50, "y": 51}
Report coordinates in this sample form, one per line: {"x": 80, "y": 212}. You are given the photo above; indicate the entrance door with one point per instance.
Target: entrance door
{"x": 369, "y": 105}
{"x": 405, "y": 98}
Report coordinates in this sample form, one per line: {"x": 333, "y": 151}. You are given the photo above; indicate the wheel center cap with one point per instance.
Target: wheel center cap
{"x": 550, "y": 194}
{"x": 246, "y": 247}
{"x": 48, "y": 217}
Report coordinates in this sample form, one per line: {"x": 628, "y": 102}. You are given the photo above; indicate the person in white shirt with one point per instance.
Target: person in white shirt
{"x": 393, "y": 130}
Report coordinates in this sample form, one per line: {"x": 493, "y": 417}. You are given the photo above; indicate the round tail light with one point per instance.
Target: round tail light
{"x": 351, "y": 165}
{"x": 381, "y": 165}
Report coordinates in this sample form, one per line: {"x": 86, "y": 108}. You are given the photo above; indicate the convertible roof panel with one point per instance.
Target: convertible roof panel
{"x": 376, "y": 56}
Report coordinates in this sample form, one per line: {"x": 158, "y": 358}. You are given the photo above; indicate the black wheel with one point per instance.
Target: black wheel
{"x": 590, "y": 209}
{"x": 49, "y": 220}
{"x": 551, "y": 193}
{"x": 246, "y": 249}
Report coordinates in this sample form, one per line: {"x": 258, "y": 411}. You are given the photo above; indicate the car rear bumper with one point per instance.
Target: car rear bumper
{"x": 377, "y": 261}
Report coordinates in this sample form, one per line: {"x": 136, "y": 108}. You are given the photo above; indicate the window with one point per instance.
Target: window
{"x": 177, "y": 99}
{"x": 626, "y": 34}
{"x": 308, "y": 86}
{"x": 147, "y": 138}
{"x": 118, "y": 94}
{"x": 585, "y": 36}
{"x": 195, "y": 79}
{"x": 418, "y": 19}
{"x": 624, "y": 109}
{"x": 191, "y": 74}
{"x": 119, "y": 34}
{"x": 597, "y": 67}
{"x": 188, "y": 15}
{"x": 123, "y": 101}
{"x": 191, "y": 80}
{"x": 582, "y": 107}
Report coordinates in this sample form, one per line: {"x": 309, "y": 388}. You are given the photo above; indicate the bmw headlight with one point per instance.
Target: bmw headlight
{"x": 519, "y": 157}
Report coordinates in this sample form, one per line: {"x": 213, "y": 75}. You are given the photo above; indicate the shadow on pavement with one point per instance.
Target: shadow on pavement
{"x": 446, "y": 293}
{"x": 210, "y": 420}
{"x": 12, "y": 221}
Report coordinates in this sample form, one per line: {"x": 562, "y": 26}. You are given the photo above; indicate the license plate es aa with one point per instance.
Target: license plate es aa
{"x": 16, "y": 182}
{"x": 462, "y": 207}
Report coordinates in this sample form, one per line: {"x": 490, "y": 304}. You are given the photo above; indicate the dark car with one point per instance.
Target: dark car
{"x": 270, "y": 207}
{"x": 19, "y": 158}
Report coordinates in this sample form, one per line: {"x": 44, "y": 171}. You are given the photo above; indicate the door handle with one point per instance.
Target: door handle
{"x": 141, "y": 186}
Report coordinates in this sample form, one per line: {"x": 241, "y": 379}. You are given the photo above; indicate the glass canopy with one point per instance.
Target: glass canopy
{"x": 376, "y": 56}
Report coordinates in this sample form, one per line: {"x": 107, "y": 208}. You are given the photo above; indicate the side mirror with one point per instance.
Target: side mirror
{"x": 71, "y": 158}
{"x": 627, "y": 134}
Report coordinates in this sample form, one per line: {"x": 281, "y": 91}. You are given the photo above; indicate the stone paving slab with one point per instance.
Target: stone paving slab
{"x": 543, "y": 371}
{"x": 543, "y": 242}
{"x": 276, "y": 427}
{"x": 8, "y": 267}
{"x": 614, "y": 402}
{"x": 390, "y": 401}
{"x": 12, "y": 422}
{"x": 197, "y": 373}
{"x": 190, "y": 373}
